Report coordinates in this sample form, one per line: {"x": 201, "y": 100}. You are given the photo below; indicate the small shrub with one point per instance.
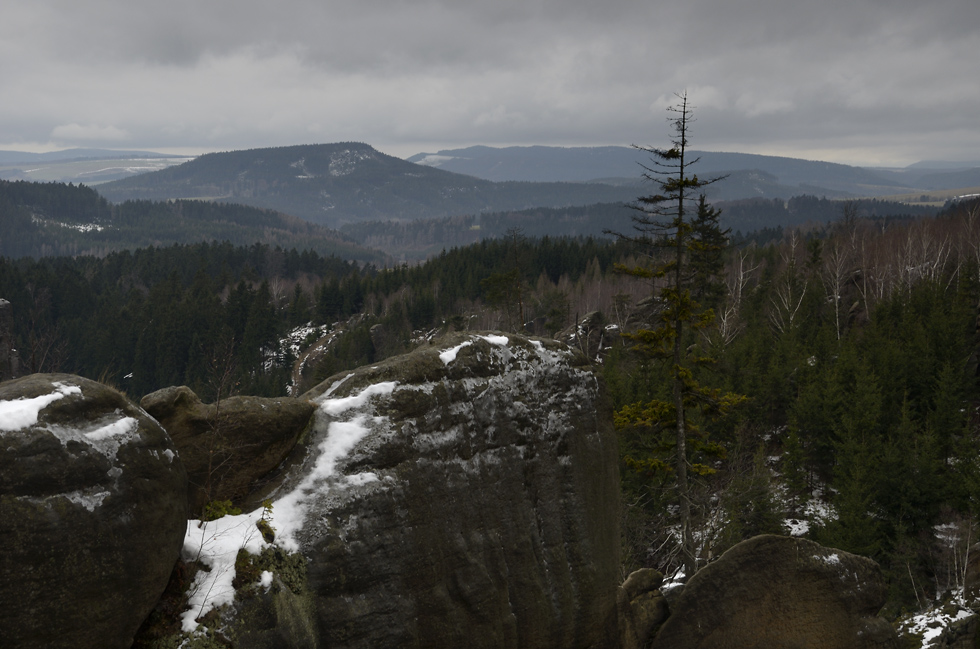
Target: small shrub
{"x": 219, "y": 508}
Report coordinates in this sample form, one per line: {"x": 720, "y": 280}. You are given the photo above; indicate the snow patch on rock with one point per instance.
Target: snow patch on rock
{"x": 21, "y": 413}
{"x": 216, "y": 545}
{"x": 122, "y": 427}
{"x": 449, "y": 355}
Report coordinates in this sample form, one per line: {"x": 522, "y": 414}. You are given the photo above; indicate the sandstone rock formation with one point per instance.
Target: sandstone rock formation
{"x": 642, "y": 608}
{"x": 228, "y": 447}
{"x": 92, "y": 514}
{"x": 780, "y": 592}
{"x": 465, "y": 494}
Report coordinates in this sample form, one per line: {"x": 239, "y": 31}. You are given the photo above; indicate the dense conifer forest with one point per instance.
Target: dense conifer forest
{"x": 54, "y": 219}
{"x": 855, "y": 344}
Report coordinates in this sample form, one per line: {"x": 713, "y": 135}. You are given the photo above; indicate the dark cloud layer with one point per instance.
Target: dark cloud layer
{"x": 869, "y": 81}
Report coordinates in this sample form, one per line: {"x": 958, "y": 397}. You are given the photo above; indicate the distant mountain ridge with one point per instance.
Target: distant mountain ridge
{"x": 351, "y": 182}
{"x": 775, "y": 176}
{"x": 14, "y": 157}
{"x": 348, "y": 182}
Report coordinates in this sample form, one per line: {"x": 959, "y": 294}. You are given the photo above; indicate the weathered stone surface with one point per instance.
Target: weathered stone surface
{"x": 228, "y": 447}
{"x": 640, "y": 618}
{"x": 276, "y": 619}
{"x": 642, "y": 608}
{"x": 480, "y": 508}
{"x": 961, "y": 634}
{"x": 92, "y": 513}
{"x": 781, "y": 592}
{"x": 642, "y": 581}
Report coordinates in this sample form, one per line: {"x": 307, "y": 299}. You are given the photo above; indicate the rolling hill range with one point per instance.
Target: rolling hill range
{"x": 348, "y": 182}
{"x": 749, "y": 175}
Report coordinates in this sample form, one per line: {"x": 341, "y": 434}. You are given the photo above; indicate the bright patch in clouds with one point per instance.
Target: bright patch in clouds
{"x": 89, "y": 132}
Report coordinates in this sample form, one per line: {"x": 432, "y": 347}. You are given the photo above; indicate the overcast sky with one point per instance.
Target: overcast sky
{"x": 884, "y": 82}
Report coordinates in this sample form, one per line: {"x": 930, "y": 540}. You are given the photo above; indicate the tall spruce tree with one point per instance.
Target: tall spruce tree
{"x": 682, "y": 238}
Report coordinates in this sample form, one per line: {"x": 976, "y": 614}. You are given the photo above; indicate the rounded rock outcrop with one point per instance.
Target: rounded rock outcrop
{"x": 228, "y": 447}
{"x": 778, "y": 591}
{"x": 92, "y": 513}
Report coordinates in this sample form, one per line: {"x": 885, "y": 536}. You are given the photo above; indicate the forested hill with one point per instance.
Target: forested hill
{"x": 156, "y": 317}
{"x": 759, "y": 219}
{"x": 347, "y": 182}
{"x": 45, "y": 219}
{"x": 744, "y": 175}
{"x": 787, "y": 176}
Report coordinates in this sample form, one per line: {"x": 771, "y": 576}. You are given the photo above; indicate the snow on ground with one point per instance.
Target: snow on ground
{"x": 672, "y": 582}
{"x": 295, "y": 339}
{"x": 294, "y": 342}
{"x": 818, "y": 511}
{"x": 216, "y": 543}
{"x": 796, "y": 526}
{"x": 929, "y": 625}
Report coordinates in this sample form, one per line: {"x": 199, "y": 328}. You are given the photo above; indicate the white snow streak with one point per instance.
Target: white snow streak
{"x": 216, "y": 543}
{"x": 449, "y": 355}
{"x": 21, "y": 413}
{"x": 124, "y": 426}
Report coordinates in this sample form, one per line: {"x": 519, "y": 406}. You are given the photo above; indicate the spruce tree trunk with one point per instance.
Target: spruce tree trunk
{"x": 683, "y": 489}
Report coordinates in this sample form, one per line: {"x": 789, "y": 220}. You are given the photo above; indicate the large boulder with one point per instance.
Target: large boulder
{"x": 779, "y": 592}
{"x": 229, "y": 446}
{"x": 92, "y": 514}
{"x": 465, "y": 494}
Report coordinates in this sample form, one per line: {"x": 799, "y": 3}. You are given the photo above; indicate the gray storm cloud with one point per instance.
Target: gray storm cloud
{"x": 865, "y": 81}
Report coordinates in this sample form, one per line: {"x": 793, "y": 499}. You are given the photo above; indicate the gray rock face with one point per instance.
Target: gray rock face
{"x": 92, "y": 513}
{"x": 465, "y": 494}
{"x": 775, "y": 591}
{"x": 228, "y": 447}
